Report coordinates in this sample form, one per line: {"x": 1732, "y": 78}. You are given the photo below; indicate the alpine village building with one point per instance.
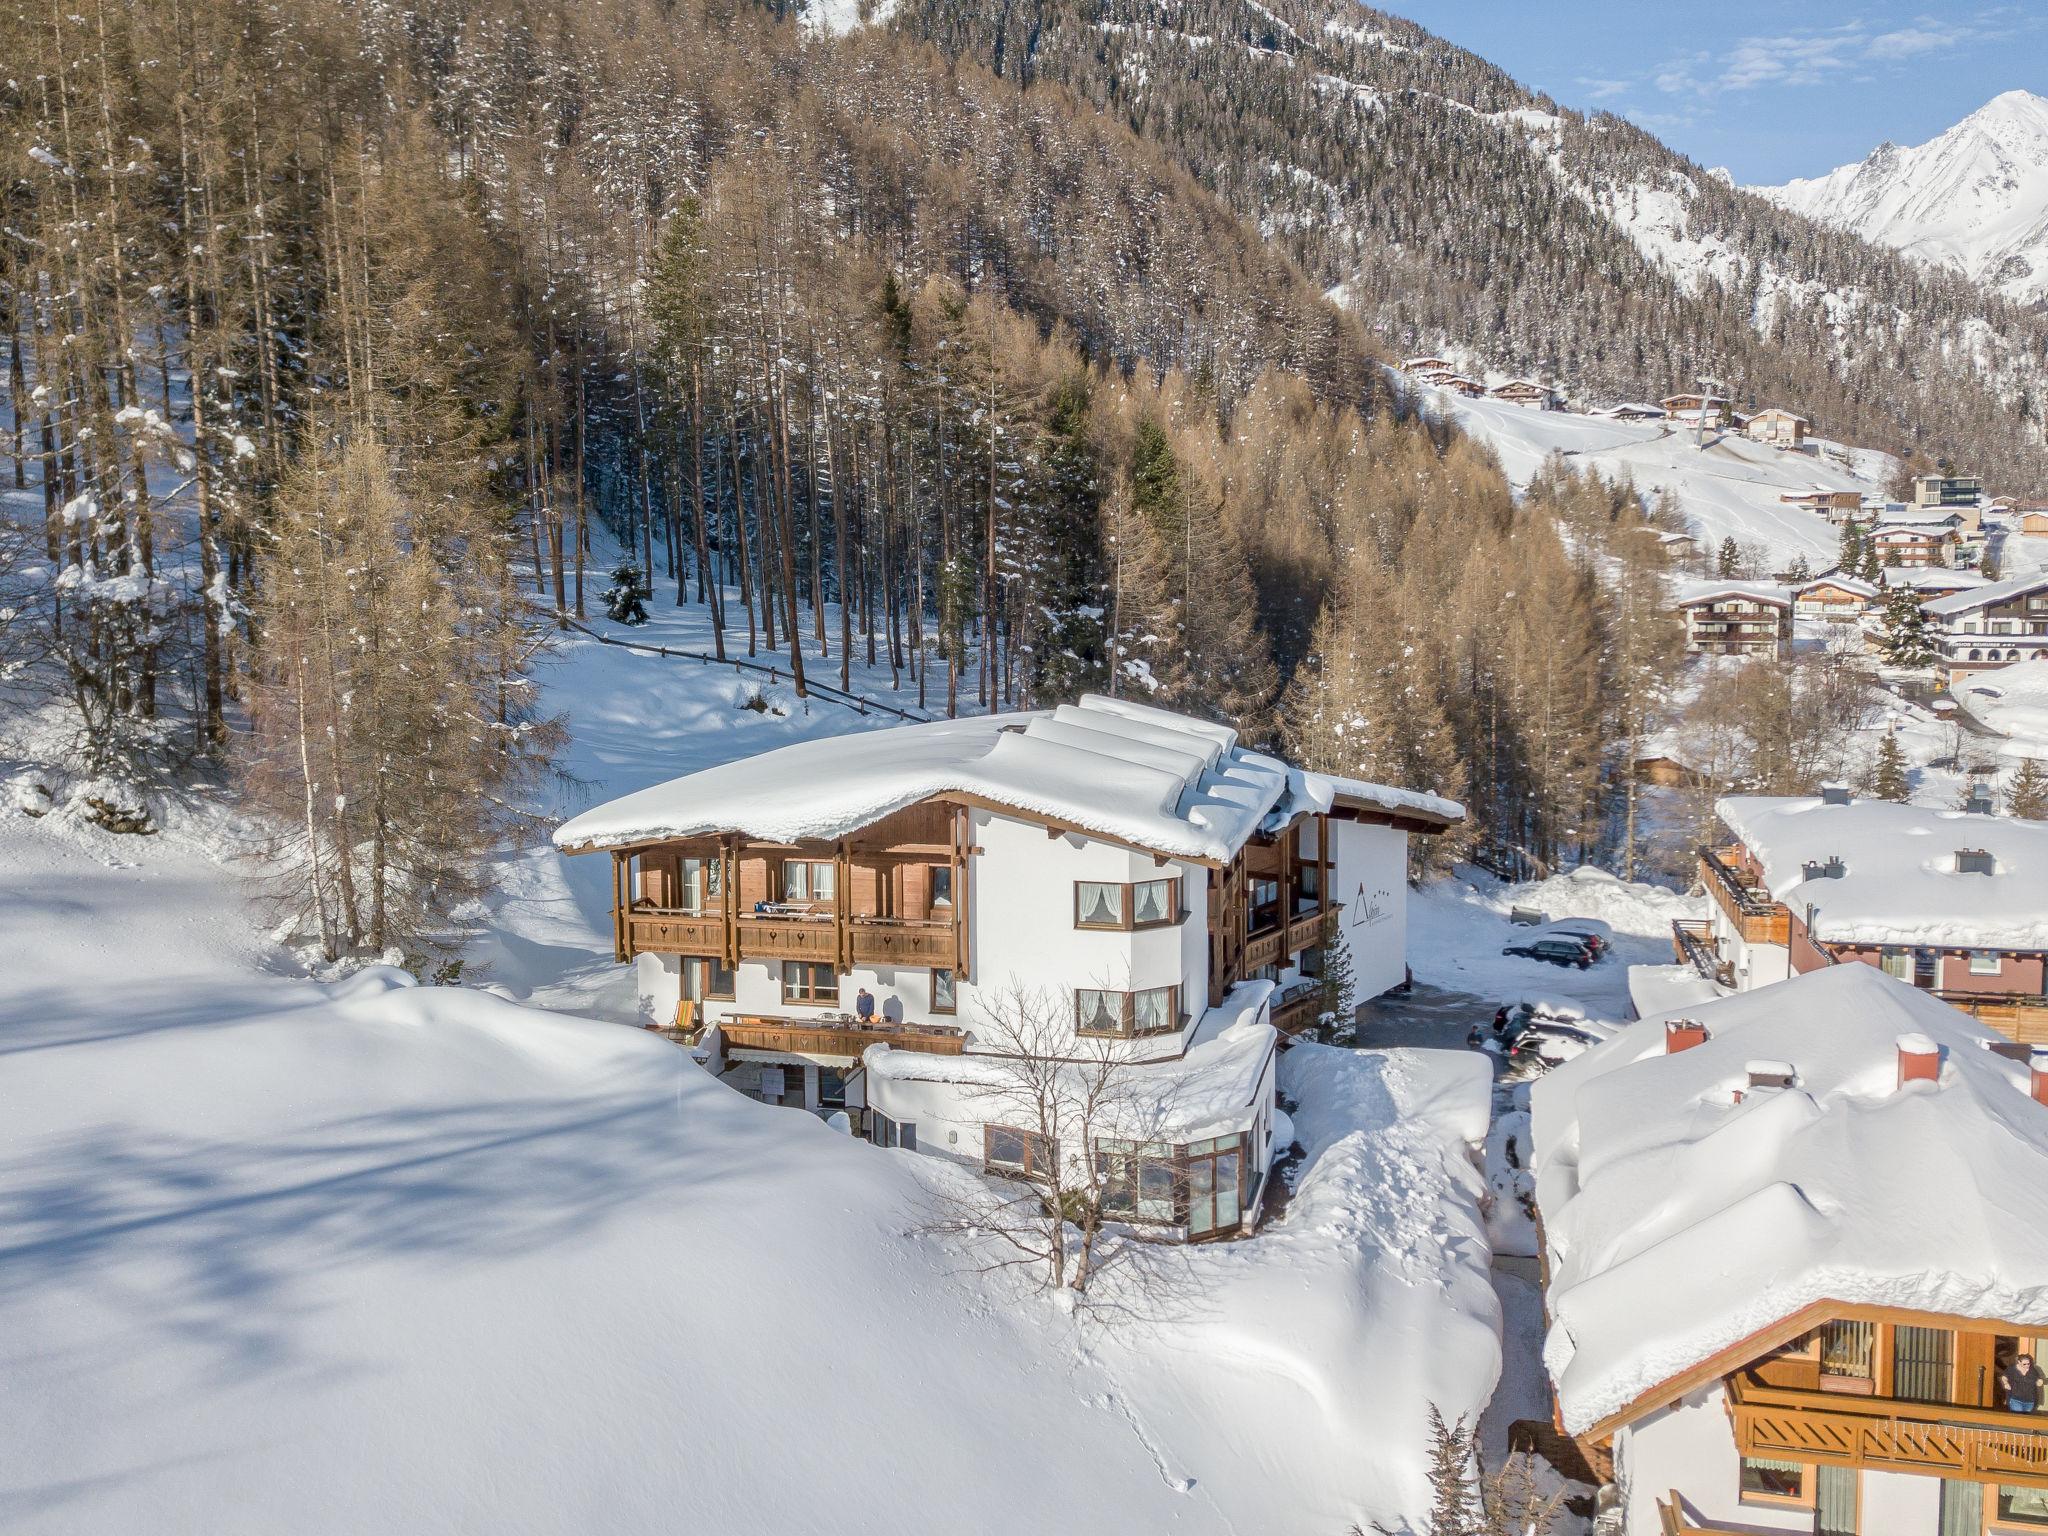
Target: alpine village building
{"x": 1166, "y": 893}
{"x": 1737, "y": 619}
{"x": 1992, "y": 625}
{"x": 1950, "y": 902}
{"x": 1793, "y": 1245}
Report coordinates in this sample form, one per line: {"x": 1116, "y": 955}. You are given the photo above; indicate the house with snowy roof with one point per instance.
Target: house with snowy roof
{"x": 1991, "y": 625}
{"x": 1778, "y": 427}
{"x": 1932, "y": 581}
{"x": 1161, "y": 892}
{"x": 1835, "y": 506}
{"x": 1531, "y": 392}
{"x": 1631, "y": 410}
{"x": 1915, "y": 539}
{"x": 1697, "y": 410}
{"x": 1794, "y": 1243}
{"x": 1952, "y": 902}
{"x": 1835, "y": 597}
{"x": 1736, "y": 618}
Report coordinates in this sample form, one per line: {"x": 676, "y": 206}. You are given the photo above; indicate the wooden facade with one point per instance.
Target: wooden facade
{"x": 1246, "y": 937}
{"x": 894, "y": 897}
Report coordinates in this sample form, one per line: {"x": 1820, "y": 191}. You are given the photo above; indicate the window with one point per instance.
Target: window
{"x": 1265, "y": 908}
{"x": 1982, "y": 964}
{"x": 884, "y": 1132}
{"x": 706, "y": 980}
{"x": 831, "y": 1088}
{"x": 803, "y": 982}
{"x": 1897, "y": 963}
{"x": 701, "y": 885}
{"x": 1765, "y": 1481}
{"x": 1848, "y": 1357}
{"x": 1214, "y": 1171}
{"x": 1098, "y": 904}
{"x": 1312, "y": 961}
{"x": 1921, "y": 1364}
{"x": 942, "y": 885}
{"x": 2023, "y": 1506}
{"x": 1007, "y": 1150}
{"x": 942, "y": 991}
{"x": 1139, "y": 1180}
{"x": 1308, "y": 887}
{"x": 1154, "y": 1011}
{"x": 1112, "y": 904}
{"x": 807, "y": 881}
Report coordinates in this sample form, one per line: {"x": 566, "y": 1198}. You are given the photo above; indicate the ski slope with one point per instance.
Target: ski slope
{"x": 1729, "y": 489}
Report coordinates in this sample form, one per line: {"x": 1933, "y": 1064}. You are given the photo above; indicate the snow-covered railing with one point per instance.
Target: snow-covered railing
{"x": 859, "y": 703}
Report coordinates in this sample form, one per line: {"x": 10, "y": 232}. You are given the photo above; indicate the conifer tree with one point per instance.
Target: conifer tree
{"x": 1888, "y": 772}
{"x": 1729, "y": 559}
{"x": 1338, "y": 984}
{"x": 1907, "y": 640}
{"x": 1851, "y": 560}
{"x": 2027, "y": 795}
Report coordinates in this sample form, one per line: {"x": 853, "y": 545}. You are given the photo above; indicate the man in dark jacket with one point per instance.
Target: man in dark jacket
{"x": 2021, "y": 1384}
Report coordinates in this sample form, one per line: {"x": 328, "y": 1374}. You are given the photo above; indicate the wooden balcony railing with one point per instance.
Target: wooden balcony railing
{"x": 1692, "y": 943}
{"x": 808, "y": 1037}
{"x": 1263, "y": 949}
{"x": 677, "y": 933}
{"x": 888, "y": 941}
{"x": 1308, "y": 929}
{"x": 1753, "y": 915}
{"x": 2017, "y": 1016}
{"x": 789, "y": 938}
{"x": 1297, "y": 1008}
{"x": 793, "y": 936}
{"x": 1981, "y": 1444}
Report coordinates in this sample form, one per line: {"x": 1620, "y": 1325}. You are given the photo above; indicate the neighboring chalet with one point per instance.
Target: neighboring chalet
{"x": 1778, "y": 427}
{"x": 1915, "y": 540}
{"x": 1952, "y": 902}
{"x": 1834, "y": 597}
{"x": 1631, "y": 410}
{"x": 1932, "y": 581}
{"x": 1693, "y": 410}
{"x": 1791, "y": 1241}
{"x": 1458, "y": 384}
{"x": 1429, "y": 364}
{"x": 1526, "y": 392}
{"x": 1992, "y": 625}
{"x": 1737, "y": 619}
{"x": 1954, "y": 491}
{"x": 1836, "y": 506}
{"x": 1135, "y": 877}
{"x": 2034, "y": 521}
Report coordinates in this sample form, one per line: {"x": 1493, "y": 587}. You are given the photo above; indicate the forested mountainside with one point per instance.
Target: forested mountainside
{"x": 1457, "y": 208}
{"x": 345, "y": 338}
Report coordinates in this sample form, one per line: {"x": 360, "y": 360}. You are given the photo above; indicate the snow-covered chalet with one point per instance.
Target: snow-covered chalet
{"x": 1172, "y": 892}
{"x": 1951, "y": 902}
{"x": 1794, "y": 1247}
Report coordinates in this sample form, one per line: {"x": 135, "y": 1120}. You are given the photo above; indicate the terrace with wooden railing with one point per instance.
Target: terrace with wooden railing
{"x": 826, "y": 937}
{"x": 844, "y": 1037}
{"x": 2017, "y": 1016}
{"x": 1747, "y": 906}
{"x": 1940, "y": 1439}
{"x": 1692, "y": 943}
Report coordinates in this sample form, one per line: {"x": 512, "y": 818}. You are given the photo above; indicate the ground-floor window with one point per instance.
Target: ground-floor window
{"x": 884, "y": 1132}
{"x": 1200, "y": 1186}
{"x": 803, "y": 982}
{"x": 706, "y": 980}
{"x": 1768, "y": 1481}
{"x": 942, "y": 990}
{"x": 1006, "y": 1149}
{"x": 2025, "y": 1507}
{"x": 831, "y": 1088}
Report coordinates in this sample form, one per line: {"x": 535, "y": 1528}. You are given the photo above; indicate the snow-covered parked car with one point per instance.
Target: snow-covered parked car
{"x": 1594, "y": 934}
{"x": 1554, "y": 951}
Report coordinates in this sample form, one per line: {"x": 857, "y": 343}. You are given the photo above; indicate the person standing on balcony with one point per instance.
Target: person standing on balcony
{"x": 2021, "y": 1384}
{"x": 864, "y": 1006}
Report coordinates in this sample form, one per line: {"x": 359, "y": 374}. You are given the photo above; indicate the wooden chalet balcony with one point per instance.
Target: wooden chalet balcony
{"x": 1272, "y": 946}
{"x": 1308, "y": 929}
{"x": 789, "y": 938}
{"x": 1940, "y": 1439}
{"x": 833, "y": 1037}
{"x": 1753, "y": 914}
{"x": 892, "y": 941}
{"x": 676, "y": 933}
{"x": 2017, "y": 1016}
{"x": 1692, "y": 943}
{"x": 1298, "y": 1007}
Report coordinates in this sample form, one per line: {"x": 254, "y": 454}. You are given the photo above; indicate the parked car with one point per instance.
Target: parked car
{"x": 1543, "y": 1045}
{"x": 1596, "y": 935}
{"x": 1555, "y": 951}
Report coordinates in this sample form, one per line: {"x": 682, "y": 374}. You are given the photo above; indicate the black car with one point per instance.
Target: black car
{"x": 1555, "y": 951}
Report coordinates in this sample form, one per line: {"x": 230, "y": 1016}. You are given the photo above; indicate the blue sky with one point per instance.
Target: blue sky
{"x": 1771, "y": 91}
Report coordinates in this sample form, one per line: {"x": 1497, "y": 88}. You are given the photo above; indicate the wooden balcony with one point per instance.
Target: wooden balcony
{"x": 1749, "y": 910}
{"x": 1308, "y": 929}
{"x": 2017, "y": 1016}
{"x": 789, "y": 938}
{"x": 1692, "y": 943}
{"x": 1263, "y": 949}
{"x": 886, "y": 941}
{"x": 676, "y": 933}
{"x": 1299, "y": 1008}
{"x": 829, "y": 1037}
{"x": 1939, "y": 1439}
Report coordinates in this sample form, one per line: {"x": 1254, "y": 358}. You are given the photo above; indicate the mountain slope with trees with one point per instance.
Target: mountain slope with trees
{"x": 1455, "y": 207}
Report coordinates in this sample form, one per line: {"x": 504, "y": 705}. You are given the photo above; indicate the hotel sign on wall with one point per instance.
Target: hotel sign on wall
{"x": 1370, "y": 911}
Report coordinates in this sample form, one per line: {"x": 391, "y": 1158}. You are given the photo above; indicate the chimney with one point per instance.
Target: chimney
{"x": 1683, "y": 1035}
{"x": 2039, "y": 1074}
{"x": 1919, "y": 1059}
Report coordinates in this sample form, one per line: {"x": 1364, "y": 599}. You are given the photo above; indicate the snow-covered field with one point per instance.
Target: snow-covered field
{"x": 284, "y": 1255}
{"x": 1729, "y": 489}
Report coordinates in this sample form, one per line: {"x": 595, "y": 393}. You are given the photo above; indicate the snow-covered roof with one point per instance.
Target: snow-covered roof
{"x": 1854, "y": 584}
{"x": 1690, "y": 593}
{"x": 1629, "y": 408}
{"x": 1655, "y": 990}
{"x": 1947, "y": 577}
{"x": 1899, "y": 882}
{"x": 1779, "y": 410}
{"x": 1681, "y": 1222}
{"x": 1164, "y": 782}
{"x": 1519, "y": 383}
{"x": 1994, "y": 592}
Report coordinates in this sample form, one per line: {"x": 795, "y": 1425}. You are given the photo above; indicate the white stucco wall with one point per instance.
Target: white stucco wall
{"x": 1900, "y": 1504}
{"x": 1755, "y": 965}
{"x": 1370, "y": 878}
{"x": 1689, "y": 1447}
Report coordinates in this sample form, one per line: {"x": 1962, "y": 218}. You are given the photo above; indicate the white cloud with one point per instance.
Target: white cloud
{"x": 1830, "y": 55}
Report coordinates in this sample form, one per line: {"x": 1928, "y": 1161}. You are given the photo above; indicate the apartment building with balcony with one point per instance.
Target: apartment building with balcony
{"x": 1737, "y": 619}
{"x": 1992, "y": 625}
{"x": 1793, "y": 1244}
{"x": 1951, "y": 902}
{"x": 1171, "y": 892}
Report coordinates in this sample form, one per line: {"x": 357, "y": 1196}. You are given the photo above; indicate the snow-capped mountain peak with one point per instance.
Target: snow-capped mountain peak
{"x": 1974, "y": 198}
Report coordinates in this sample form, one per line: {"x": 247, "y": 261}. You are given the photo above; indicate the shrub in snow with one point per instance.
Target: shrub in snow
{"x": 625, "y": 599}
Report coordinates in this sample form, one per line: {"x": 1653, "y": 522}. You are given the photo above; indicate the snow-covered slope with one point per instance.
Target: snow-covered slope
{"x": 1729, "y": 489}
{"x": 1974, "y": 198}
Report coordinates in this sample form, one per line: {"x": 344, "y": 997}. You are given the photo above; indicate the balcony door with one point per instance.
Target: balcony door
{"x": 1923, "y": 1364}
